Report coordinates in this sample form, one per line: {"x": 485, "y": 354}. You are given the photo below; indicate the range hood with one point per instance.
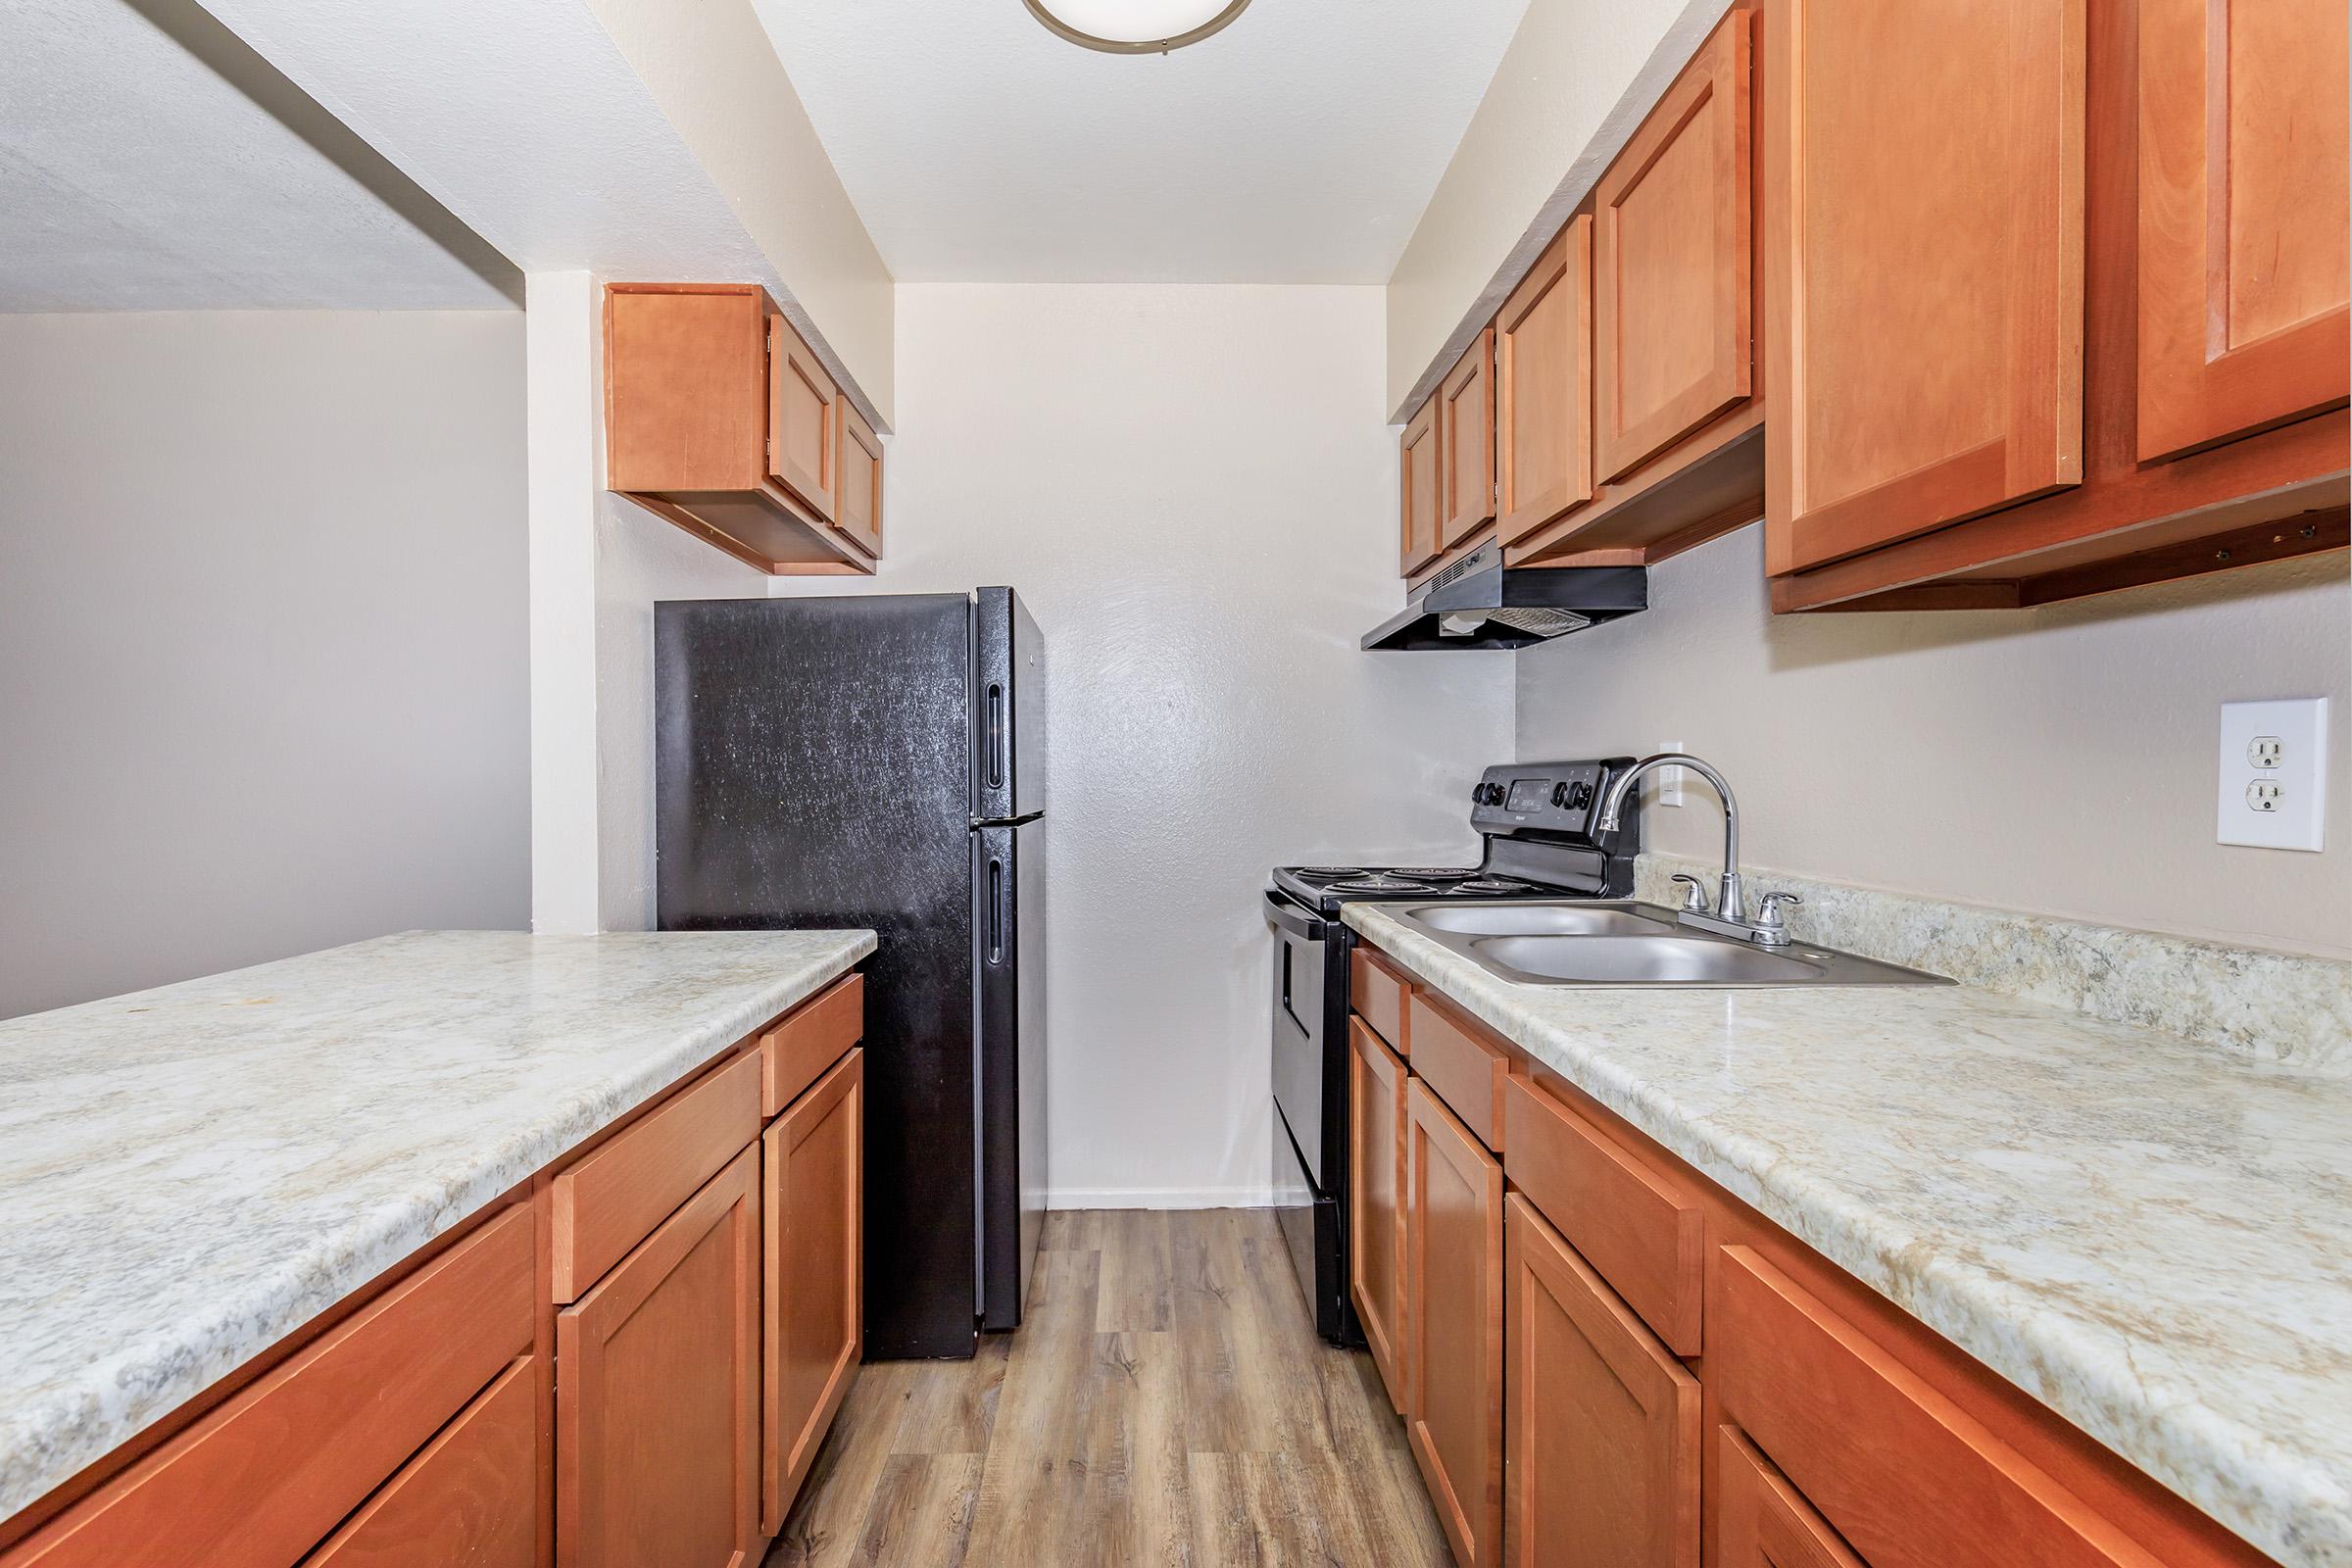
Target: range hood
{"x": 1477, "y": 602}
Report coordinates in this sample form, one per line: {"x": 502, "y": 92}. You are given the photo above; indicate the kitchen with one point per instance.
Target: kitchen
{"x": 2058, "y": 1239}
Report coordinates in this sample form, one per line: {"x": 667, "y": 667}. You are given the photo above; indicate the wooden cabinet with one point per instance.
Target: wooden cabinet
{"x": 1544, "y": 387}
{"x": 1466, "y": 443}
{"x": 1672, "y": 264}
{"x": 1924, "y": 359}
{"x": 1454, "y": 1324}
{"x": 1602, "y": 1445}
{"x": 859, "y": 514}
{"x": 1376, "y": 1080}
{"x": 471, "y": 1497}
{"x": 1761, "y": 1521}
{"x": 719, "y": 418}
{"x": 1417, "y": 494}
{"x": 812, "y": 1161}
{"x": 2244, "y": 218}
{"x": 657, "y": 1393}
{"x": 260, "y": 1481}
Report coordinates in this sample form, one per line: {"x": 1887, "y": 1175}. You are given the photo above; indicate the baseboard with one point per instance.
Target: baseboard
{"x": 1159, "y": 1198}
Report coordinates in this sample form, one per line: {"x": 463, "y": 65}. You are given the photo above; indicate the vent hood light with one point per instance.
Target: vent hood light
{"x": 1136, "y": 27}
{"x": 1480, "y": 603}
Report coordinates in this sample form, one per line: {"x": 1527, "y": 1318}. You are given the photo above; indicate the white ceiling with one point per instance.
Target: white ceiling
{"x": 1298, "y": 145}
{"x": 132, "y": 177}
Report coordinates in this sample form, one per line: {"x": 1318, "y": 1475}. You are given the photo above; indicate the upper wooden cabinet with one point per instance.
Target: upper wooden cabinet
{"x": 859, "y": 514}
{"x": 2243, "y": 217}
{"x": 720, "y": 419}
{"x": 1924, "y": 252}
{"x": 804, "y": 439}
{"x": 1417, "y": 496}
{"x": 1672, "y": 266}
{"x": 1466, "y": 443}
{"x": 1543, "y": 386}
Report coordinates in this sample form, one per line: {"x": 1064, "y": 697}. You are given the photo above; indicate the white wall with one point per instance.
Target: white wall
{"x": 1192, "y": 488}
{"x": 1578, "y": 79}
{"x": 2059, "y": 760}
{"x": 262, "y": 639}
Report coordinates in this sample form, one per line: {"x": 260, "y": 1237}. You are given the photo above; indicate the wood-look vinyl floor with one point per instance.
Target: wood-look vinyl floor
{"x": 1166, "y": 1404}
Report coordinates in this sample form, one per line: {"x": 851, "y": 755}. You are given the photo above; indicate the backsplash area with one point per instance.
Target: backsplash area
{"x": 2276, "y": 1006}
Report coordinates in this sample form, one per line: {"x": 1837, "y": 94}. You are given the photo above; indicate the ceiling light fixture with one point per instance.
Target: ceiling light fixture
{"x": 1136, "y": 27}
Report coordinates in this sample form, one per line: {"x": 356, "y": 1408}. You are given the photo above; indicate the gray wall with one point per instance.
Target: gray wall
{"x": 262, "y": 639}
{"x": 2059, "y": 760}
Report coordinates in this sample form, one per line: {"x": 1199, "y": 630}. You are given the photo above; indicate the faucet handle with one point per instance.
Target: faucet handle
{"x": 1695, "y": 902}
{"x": 1768, "y": 911}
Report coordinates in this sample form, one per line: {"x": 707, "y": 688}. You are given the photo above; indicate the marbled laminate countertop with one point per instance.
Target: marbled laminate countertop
{"x": 2152, "y": 1237}
{"x": 190, "y": 1174}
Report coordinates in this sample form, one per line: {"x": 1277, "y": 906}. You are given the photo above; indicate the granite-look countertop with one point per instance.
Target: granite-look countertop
{"x": 2150, "y": 1236}
{"x": 190, "y": 1174}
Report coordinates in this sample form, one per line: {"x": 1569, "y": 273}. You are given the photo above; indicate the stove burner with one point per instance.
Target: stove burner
{"x": 1380, "y": 884}
{"x": 1436, "y": 873}
{"x": 1494, "y": 883}
{"x": 1331, "y": 870}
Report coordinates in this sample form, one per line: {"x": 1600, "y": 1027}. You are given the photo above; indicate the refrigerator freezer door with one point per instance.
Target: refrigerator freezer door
{"x": 812, "y": 767}
{"x": 1009, "y": 897}
{"x": 1008, "y": 709}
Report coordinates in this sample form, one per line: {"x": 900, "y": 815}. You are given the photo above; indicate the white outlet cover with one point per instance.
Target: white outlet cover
{"x": 1670, "y": 778}
{"x": 2295, "y": 816}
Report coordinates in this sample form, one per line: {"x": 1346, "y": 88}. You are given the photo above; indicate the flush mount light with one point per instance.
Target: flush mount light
{"x": 1136, "y": 27}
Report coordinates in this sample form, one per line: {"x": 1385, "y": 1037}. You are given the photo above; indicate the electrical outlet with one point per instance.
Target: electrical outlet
{"x": 2274, "y": 775}
{"x": 1670, "y": 778}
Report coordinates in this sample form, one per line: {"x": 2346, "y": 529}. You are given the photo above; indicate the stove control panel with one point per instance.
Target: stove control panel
{"x": 1558, "y": 800}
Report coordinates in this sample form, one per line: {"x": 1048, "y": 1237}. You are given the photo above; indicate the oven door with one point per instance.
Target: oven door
{"x": 1301, "y": 947}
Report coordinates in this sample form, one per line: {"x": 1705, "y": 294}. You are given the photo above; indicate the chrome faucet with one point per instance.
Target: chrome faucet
{"x": 1729, "y": 916}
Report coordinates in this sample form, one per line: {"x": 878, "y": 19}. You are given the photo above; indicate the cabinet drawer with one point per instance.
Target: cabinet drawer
{"x": 1904, "y": 1475}
{"x": 472, "y": 1497}
{"x": 262, "y": 1480}
{"x": 1638, "y": 1226}
{"x": 1379, "y": 994}
{"x": 796, "y": 1050}
{"x": 1760, "y": 1520}
{"x": 612, "y": 1198}
{"x": 1464, "y": 1069}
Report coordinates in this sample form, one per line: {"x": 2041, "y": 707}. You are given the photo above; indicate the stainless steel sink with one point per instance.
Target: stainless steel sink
{"x": 1633, "y": 945}
{"x": 1539, "y": 920}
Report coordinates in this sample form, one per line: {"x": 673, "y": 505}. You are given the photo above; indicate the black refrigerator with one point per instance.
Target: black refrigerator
{"x": 878, "y": 760}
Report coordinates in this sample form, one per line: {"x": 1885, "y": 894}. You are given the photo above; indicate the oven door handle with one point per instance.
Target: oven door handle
{"x": 1285, "y": 915}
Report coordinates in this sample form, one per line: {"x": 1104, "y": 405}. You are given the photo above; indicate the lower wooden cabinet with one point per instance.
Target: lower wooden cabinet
{"x": 1454, "y": 1324}
{"x": 657, "y": 1393}
{"x": 1376, "y": 1080}
{"x": 812, "y": 1161}
{"x": 1760, "y": 1519}
{"x": 1601, "y": 1432}
{"x": 471, "y": 1497}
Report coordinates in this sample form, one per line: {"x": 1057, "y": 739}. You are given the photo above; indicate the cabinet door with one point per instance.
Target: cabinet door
{"x": 1466, "y": 443}
{"x": 1454, "y": 1324}
{"x": 658, "y": 1392}
{"x": 1417, "y": 497}
{"x": 1761, "y": 1521}
{"x": 814, "y": 1157}
{"x": 861, "y": 510}
{"x": 1923, "y": 266}
{"x": 1603, "y": 1429}
{"x": 803, "y": 437}
{"x": 1543, "y": 386}
{"x": 2243, "y": 215}
{"x": 472, "y": 1497}
{"x": 1675, "y": 261}
{"x": 1375, "y": 1177}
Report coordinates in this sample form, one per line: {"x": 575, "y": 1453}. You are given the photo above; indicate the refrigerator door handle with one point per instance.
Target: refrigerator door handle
{"x": 998, "y": 893}
{"x": 997, "y": 735}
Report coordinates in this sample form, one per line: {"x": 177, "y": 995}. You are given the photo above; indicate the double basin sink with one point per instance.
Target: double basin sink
{"x": 1629, "y": 944}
